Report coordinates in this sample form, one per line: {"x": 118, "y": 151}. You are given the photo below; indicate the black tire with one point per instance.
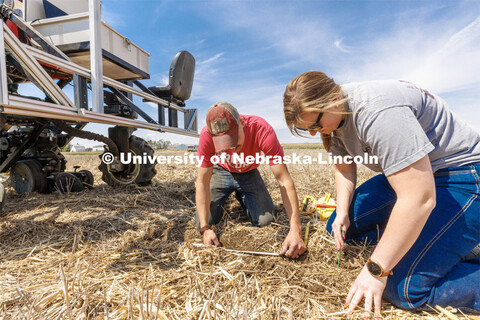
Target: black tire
{"x": 140, "y": 174}
{"x": 41, "y": 181}
{"x": 86, "y": 177}
{"x": 66, "y": 182}
{"x": 27, "y": 176}
{"x": 88, "y": 181}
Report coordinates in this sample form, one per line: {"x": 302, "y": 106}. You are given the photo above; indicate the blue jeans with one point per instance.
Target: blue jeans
{"x": 250, "y": 191}
{"x": 433, "y": 271}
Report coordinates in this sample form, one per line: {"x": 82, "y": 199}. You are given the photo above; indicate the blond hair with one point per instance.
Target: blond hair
{"x": 307, "y": 92}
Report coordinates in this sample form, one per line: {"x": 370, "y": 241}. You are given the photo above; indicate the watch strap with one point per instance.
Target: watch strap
{"x": 383, "y": 273}
{"x": 204, "y": 228}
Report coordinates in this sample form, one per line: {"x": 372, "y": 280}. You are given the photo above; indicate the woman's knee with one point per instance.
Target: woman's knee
{"x": 330, "y": 222}
{"x": 400, "y": 294}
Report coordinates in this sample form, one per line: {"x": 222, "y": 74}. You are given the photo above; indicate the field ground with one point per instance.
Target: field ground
{"x": 116, "y": 254}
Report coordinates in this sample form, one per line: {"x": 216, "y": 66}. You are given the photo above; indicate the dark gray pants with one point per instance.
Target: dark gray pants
{"x": 250, "y": 191}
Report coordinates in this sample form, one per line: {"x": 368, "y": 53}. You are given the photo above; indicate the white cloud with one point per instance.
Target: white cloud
{"x": 112, "y": 18}
{"x": 341, "y": 47}
{"x": 210, "y": 60}
{"x": 165, "y": 80}
{"x": 440, "y": 53}
{"x": 456, "y": 65}
{"x": 206, "y": 75}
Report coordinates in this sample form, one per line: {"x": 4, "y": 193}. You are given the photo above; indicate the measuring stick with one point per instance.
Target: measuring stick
{"x": 257, "y": 253}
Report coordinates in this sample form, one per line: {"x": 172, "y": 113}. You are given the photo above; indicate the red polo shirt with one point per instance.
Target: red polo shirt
{"x": 259, "y": 137}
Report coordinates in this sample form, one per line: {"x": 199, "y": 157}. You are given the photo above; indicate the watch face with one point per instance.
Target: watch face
{"x": 374, "y": 268}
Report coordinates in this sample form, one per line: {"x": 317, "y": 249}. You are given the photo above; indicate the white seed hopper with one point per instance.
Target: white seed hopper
{"x": 66, "y": 24}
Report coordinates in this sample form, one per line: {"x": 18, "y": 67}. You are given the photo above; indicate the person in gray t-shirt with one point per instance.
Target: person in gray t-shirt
{"x": 423, "y": 210}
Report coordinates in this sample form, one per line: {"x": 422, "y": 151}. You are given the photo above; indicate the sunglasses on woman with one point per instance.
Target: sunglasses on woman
{"x": 314, "y": 127}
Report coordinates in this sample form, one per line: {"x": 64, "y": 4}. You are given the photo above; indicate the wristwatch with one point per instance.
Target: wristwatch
{"x": 376, "y": 270}
{"x": 204, "y": 228}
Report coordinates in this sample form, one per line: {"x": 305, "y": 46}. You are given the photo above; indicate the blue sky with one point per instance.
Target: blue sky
{"x": 247, "y": 51}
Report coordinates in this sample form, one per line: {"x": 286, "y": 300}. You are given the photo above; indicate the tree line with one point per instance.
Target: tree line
{"x": 160, "y": 144}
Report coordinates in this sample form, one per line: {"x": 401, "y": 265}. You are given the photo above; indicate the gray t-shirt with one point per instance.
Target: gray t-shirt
{"x": 400, "y": 124}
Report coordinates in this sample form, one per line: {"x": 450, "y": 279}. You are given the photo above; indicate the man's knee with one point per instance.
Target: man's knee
{"x": 266, "y": 218}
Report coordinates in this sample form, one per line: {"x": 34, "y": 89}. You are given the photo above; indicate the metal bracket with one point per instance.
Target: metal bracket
{"x": 80, "y": 92}
{"x": 142, "y": 87}
{"x": 191, "y": 119}
{"x": 161, "y": 108}
{"x": 127, "y": 101}
{"x": 172, "y": 118}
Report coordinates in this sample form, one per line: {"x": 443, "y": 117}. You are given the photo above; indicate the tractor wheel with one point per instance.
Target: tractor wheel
{"x": 140, "y": 174}
{"x": 27, "y": 176}
{"x": 66, "y": 182}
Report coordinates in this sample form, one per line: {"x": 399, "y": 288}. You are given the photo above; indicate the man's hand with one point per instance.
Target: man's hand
{"x": 210, "y": 238}
{"x": 368, "y": 287}
{"x": 293, "y": 245}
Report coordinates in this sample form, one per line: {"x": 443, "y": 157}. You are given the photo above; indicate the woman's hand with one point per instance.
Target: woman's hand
{"x": 368, "y": 287}
{"x": 339, "y": 228}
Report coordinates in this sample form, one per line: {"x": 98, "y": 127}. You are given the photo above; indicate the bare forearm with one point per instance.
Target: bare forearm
{"x": 406, "y": 221}
{"x": 293, "y": 245}
{"x": 290, "y": 202}
{"x": 202, "y": 199}
{"x": 202, "y": 194}
{"x": 345, "y": 181}
{"x": 289, "y": 196}
{"x": 416, "y": 194}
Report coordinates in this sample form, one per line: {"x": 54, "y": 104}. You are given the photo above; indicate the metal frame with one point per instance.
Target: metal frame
{"x": 172, "y": 118}
{"x": 3, "y": 71}
{"x": 161, "y": 114}
{"x": 62, "y": 107}
{"x": 96, "y": 55}
{"x": 71, "y": 67}
{"x": 39, "y": 109}
{"x": 29, "y": 63}
{"x": 37, "y": 37}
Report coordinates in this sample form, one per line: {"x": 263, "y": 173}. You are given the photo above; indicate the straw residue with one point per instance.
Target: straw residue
{"x": 115, "y": 254}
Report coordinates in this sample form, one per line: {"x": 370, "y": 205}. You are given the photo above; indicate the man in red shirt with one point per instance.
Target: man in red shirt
{"x": 228, "y": 144}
